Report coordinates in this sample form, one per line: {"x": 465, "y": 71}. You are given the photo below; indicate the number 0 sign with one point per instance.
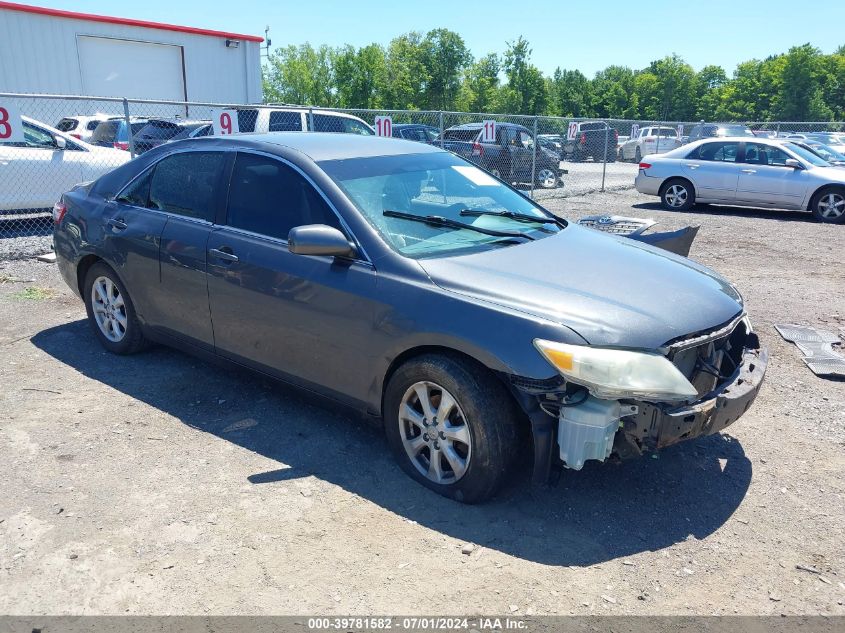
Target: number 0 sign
{"x": 488, "y": 131}
{"x": 225, "y": 122}
{"x": 572, "y": 131}
{"x": 384, "y": 126}
{"x": 11, "y": 128}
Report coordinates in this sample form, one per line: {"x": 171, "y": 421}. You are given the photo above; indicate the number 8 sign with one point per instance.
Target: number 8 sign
{"x": 225, "y": 122}
{"x": 11, "y": 127}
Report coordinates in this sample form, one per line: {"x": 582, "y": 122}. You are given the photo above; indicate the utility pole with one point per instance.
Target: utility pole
{"x": 265, "y": 49}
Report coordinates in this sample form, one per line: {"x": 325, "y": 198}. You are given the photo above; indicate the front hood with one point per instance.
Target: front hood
{"x": 611, "y": 290}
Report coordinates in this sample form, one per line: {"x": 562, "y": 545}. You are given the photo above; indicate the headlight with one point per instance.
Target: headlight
{"x": 616, "y": 373}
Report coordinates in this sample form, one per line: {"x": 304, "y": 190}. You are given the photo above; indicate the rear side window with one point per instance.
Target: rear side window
{"x": 137, "y": 193}
{"x": 270, "y": 198}
{"x": 331, "y": 123}
{"x": 461, "y": 135}
{"x": 186, "y": 183}
{"x": 246, "y": 120}
{"x": 106, "y": 131}
{"x": 722, "y": 152}
{"x": 66, "y": 125}
{"x": 281, "y": 121}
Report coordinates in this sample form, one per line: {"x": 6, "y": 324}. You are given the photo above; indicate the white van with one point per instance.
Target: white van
{"x": 297, "y": 120}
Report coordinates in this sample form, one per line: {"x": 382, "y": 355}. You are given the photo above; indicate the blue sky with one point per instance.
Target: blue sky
{"x": 584, "y": 35}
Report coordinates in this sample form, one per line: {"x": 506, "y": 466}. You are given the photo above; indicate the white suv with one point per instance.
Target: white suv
{"x": 82, "y": 127}
{"x": 297, "y": 120}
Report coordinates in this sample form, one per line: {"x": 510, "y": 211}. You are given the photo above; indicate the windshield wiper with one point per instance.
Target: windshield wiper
{"x": 439, "y": 220}
{"x": 519, "y": 217}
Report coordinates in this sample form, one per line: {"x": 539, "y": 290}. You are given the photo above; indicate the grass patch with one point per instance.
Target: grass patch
{"x": 34, "y": 293}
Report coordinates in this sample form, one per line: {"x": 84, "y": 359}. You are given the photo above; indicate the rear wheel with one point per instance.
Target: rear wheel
{"x": 677, "y": 195}
{"x": 111, "y": 313}
{"x": 547, "y": 178}
{"x": 828, "y": 205}
{"x": 451, "y": 426}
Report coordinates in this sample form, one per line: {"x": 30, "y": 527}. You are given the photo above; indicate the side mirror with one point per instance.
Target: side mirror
{"x": 60, "y": 141}
{"x": 791, "y": 162}
{"x": 319, "y": 239}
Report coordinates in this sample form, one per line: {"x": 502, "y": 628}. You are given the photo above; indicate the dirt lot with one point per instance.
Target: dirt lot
{"x": 160, "y": 484}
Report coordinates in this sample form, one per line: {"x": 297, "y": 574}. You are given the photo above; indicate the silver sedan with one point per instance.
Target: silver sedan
{"x": 765, "y": 173}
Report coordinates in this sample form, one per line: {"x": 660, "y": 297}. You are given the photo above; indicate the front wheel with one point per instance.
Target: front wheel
{"x": 829, "y": 206}
{"x": 547, "y": 178}
{"x": 111, "y": 313}
{"x": 677, "y": 195}
{"x": 451, "y": 426}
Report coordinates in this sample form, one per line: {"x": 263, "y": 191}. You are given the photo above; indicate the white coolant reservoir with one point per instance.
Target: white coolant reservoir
{"x": 586, "y": 431}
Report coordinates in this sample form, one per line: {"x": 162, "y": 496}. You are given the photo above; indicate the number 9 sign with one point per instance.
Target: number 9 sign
{"x": 11, "y": 127}
{"x": 225, "y": 122}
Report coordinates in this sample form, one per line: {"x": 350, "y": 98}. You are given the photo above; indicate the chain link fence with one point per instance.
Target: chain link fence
{"x": 71, "y": 139}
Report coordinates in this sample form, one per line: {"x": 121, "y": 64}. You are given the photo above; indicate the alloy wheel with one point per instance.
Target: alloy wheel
{"x": 831, "y": 206}
{"x": 435, "y": 433}
{"x": 676, "y": 196}
{"x": 109, "y": 309}
{"x": 547, "y": 178}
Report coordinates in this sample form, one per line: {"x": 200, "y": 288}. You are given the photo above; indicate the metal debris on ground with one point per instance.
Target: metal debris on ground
{"x": 817, "y": 348}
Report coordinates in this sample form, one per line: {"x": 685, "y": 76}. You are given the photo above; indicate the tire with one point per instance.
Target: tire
{"x": 828, "y": 205}
{"x": 111, "y": 313}
{"x": 638, "y": 156}
{"x": 482, "y": 426}
{"x": 547, "y": 178}
{"x": 677, "y": 194}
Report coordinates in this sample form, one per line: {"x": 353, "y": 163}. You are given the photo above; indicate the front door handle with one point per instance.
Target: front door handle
{"x": 117, "y": 224}
{"x": 222, "y": 254}
{"x": 695, "y": 166}
{"x": 748, "y": 171}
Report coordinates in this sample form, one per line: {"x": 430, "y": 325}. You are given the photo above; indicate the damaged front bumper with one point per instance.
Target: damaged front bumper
{"x": 627, "y": 429}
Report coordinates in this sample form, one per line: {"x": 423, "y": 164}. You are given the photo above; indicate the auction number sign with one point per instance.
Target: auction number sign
{"x": 635, "y": 129}
{"x": 384, "y": 126}
{"x": 11, "y": 126}
{"x": 488, "y": 131}
{"x": 572, "y": 131}
{"x": 225, "y": 122}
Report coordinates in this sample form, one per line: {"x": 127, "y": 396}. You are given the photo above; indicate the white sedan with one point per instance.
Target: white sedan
{"x": 764, "y": 173}
{"x": 34, "y": 173}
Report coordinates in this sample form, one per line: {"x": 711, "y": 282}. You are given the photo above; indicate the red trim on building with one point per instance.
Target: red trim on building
{"x": 58, "y": 13}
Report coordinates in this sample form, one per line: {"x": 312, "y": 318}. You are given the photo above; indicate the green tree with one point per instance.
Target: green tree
{"x": 525, "y": 92}
{"x": 444, "y": 56}
{"x": 361, "y": 76}
{"x": 800, "y": 97}
{"x": 480, "y": 86}
{"x": 407, "y": 74}
{"x": 569, "y": 94}
{"x": 613, "y": 93}
{"x": 300, "y": 75}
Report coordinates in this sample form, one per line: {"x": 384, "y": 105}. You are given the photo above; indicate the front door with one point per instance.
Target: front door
{"x": 765, "y": 179}
{"x": 303, "y": 318}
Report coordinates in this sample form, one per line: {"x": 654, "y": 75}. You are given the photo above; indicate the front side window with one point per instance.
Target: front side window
{"x": 36, "y": 138}
{"x": 268, "y": 197}
{"x": 332, "y": 123}
{"x": 441, "y": 185}
{"x": 525, "y": 140}
{"x": 282, "y": 121}
{"x": 759, "y": 154}
{"x": 185, "y": 184}
{"x": 807, "y": 155}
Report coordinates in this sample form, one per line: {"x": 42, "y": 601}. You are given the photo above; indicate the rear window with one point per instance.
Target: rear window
{"x": 460, "y": 135}
{"x": 735, "y": 130}
{"x": 666, "y": 131}
{"x": 106, "y": 131}
{"x": 163, "y": 130}
{"x": 66, "y": 125}
{"x": 92, "y": 125}
{"x": 586, "y": 127}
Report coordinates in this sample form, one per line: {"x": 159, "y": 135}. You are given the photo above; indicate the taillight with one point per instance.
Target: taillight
{"x": 583, "y": 138}
{"x": 79, "y": 136}
{"x": 59, "y": 210}
{"x": 477, "y": 149}
{"x": 645, "y": 165}
{"x": 124, "y": 145}
{"x": 616, "y": 134}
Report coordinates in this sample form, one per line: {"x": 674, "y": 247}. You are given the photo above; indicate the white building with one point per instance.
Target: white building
{"x": 61, "y": 52}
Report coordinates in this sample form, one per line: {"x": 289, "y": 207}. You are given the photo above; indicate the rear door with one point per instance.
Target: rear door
{"x": 713, "y": 169}
{"x": 765, "y": 179}
{"x": 303, "y": 318}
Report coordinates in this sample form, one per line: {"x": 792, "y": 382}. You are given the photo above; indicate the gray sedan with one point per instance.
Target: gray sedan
{"x": 766, "y": 173}
{"x": 404, "y": 282}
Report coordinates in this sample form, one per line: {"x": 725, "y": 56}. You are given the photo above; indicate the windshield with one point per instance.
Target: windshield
{"x": 808, "y": 155}
{"x": 828, "y": 153}
{"x": 441, "y": 185}
{"x": 159, "y": 130}
{"x": 825, "y": 137}
{"x": 735, "y": 130}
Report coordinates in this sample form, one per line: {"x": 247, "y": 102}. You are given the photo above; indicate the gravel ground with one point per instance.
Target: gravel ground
{"x": 159, "y": 484}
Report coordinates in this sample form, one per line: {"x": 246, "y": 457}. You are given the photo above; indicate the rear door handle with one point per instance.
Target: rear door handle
{"x": 748, "y": 171}
{"x": 224, "y": 255}
{"x": 117, "y": 224}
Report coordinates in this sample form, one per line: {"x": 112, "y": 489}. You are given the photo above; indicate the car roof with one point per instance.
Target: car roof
{"x": 321, "y": 146}
{"x": 478, "y": 126}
